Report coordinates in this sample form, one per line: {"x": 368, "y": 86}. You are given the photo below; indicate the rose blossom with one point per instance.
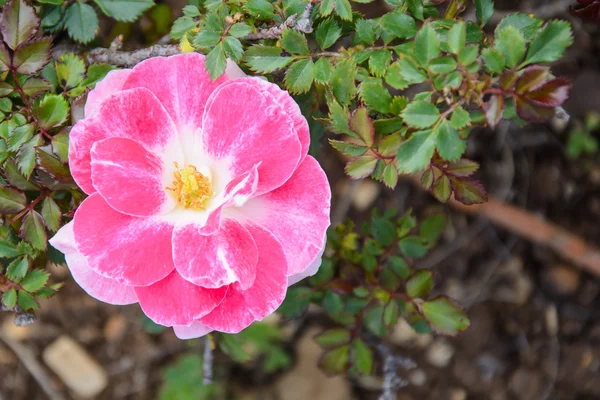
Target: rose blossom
{"x": 203, "y": 203}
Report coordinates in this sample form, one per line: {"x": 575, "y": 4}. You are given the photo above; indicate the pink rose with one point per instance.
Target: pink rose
{"x": 203, "y": 204}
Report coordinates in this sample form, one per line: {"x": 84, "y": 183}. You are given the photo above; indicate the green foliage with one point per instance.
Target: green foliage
{"x": 583, "y": 137}
{"x": 183, "y": 381}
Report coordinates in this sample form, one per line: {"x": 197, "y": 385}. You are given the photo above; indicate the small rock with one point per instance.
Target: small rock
{"x": 562, "y": 279}
{"x": 518, "y": 287}
{"x": 458, "y": 394}
{"x": 404, "y": 335}
{"x": 551, "y": 317}
{"x": 366, "y": 193}
{"x": 440, "y": 353}
{"x": 525, "y": 384}
{"x": 115, "y": 327}
{"x": 417, "y": 377}
{"x": 75, "y": 367}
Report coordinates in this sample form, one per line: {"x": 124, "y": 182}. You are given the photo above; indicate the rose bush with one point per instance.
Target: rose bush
{"x": 203, "y": 203}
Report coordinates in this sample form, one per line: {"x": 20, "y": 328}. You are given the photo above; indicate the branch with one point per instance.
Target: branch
{"x": 113, "y": 55}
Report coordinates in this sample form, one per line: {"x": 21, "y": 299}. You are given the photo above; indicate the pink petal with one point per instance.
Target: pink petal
{"x": 180, "y": 82}
{"x": 297, "y": 213}
{"x": 312, "y": 269}
{"x": 97, "y": 286}
{"x": 129, "y": 177}
{"x": 293, "y": 111}
{"x": 228, "y": 256}
{"x": 135, "y": 251}
{"x": 111, "y": 84}
{"x": 245, "y": 125}
{"x": 242, "y": 307}
{"x": 175, "y": 301}
{"x": 81, "y": 139}
{"x": 192, "y": 331}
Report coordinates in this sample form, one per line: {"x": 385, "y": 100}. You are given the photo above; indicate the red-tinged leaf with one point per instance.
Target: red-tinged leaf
{"x": 33, "y": 230}
{"x": 469, "y": 191}
{"x": 32, "y": 56}
{"x": 35, "y": 86}
{"x": 442, "y": 189}
{"x": 340, "y": 287}
{"x": 5, "y": 59}
{"x": 18, "y": 22}
{"x": 11, "y": 200}
{"x": 362, "y": 125}
{"x": 507, "y": 80}
{"x": 390, "y": 176}
{"x": 532, "y": 78}
{"x": 427, "y": 179}
{"x": 462, "y": 168}
{"x": 494, "y": 109}
{"x": 52, "y": 165}
{"x": 590, "y": 10}
{"x": 361, "y": 167}
{"x": 347, "y": 148}
{"x": 531, "y": 112}
{"x": 551, "y": 94}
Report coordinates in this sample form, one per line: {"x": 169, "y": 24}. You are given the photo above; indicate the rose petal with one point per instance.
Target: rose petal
{"x": 97, "y": 286}
{"x": 192, "y": 331}
{"x": 297, "y": 214}
{"x": 135, "y": 251}
{"x": 130, "y": 178}
{"x": 111, "y": 84}
{"x": 81, "y": 139}
{"x": 180, "y": 82}
{"x": 175, "y": 301}
{"x": 312, "y": 269}
{"x": 228, "y": 256}
{"x": 245, "y": 125}
{"x": 242, "y": 307}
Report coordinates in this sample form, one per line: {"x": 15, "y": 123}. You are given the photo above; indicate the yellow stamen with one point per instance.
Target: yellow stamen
{"x": 191, "y": 188}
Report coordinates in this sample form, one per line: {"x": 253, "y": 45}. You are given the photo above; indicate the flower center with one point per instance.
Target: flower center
{"x": 191, "y": 188}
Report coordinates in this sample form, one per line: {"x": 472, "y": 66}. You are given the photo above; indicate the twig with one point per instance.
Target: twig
{"x": 207, "y": 362}
{"x": 391, "y": 381}
{"x": 34, "y": 367}
{"x": 112, "y": 55}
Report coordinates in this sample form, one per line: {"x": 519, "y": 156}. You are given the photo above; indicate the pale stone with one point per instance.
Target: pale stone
{"x": 366, "y": 193}
{"x": 115, "y": 327}
{"x": 440, "y": 353}
{"x": 75, "y": 367}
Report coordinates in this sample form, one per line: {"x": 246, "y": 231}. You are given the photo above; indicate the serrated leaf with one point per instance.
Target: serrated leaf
{"x": 11, "y": 200}
{"x": 260, "y": 9}
{"x": 449, "y": 145}
{"x": 70, "y": 71}
{"x": 362, "y": 125}
{"x": 52, "y": 165}
{"x": 14, "y": 177}
{"x": 26, "y": 301}
{"x": 362, "y": 356}
{"x": 26, "y": 157}
{"x": 415, "y": 154}
{"x": 468, "y": 54}
{"x": 420, "y": 114}
{"x": 8, "y": 249}
{"x": 294, "y": 42}
{"x": 526, "y": 24}
{"x": 375, "y": 95}
{"x": 34, "y": 280}
{"x": 413, "y": 247}
{"x": 366, "y": 31}
{"x": 442, "y": 188}
{"x": 343, "y": 9}
{"x": 60, "y": 145}
{"x": 18, "y": 136}
{"x": 457, "y": 37}
{"x": 462, "y": 168}
{"x": 5, "y": 89}
{"x": 34, "y": 86}
{"x": 323, "y": 70}
{"x": 52, "y": 111}
{"x": 33, "y": 232}
{"x": 333, "y": 338}
{"x": 216, "y": 62}
{"x": 427, "y": 44}
{"x": 342, "y": 81}
{"x": 5, "y": 58}
{"x": 416, "y": 8}
{"x": 444, "y": 316}
{"x": 266, "y": 59}
{"x": 349, "y": 149}
{"x": 328, "y": 33}
{"x": 181, "y": 26}
{"x": 17, "y": 269}
{"x": 51, "y": 214}
{"x": 393, "y": 77}
{"x": 81, "y": 22}
{"x": 468, "y": 191}
{"x": 124, "y": 10}
{"x": 484, "y": 10}
{"x": 361, "y": 167}
{"x": 511, "y": 43}
{"x": 240, "y": 30}
{"x": 442, "y": 65}
{"x": 18, "y": 23}
{"x": 494, "y": 60}
{"x": 420, "y": 284}
{"x": 411, "y": 72}
{"x": 339, "y": 117}
{"x": 390, "y": 176}
{"x": 460, "y": 118}
{"x": 399, "y": 24}
{"x": 335, "y": 361}
{"x": 233, "y": 48}
{"x": 550, "y": 94}
{"x": 32, "y": 56}
{"x": 550, "y": 43}
{"x": 9, "y": 298}
{"x": 299, "y": 76}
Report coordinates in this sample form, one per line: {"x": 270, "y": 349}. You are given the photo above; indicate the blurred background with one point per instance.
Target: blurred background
{"x": 535, "y": 319}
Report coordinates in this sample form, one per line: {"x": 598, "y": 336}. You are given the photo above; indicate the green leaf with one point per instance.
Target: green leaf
{"x": 52, "y": 165}
{"x": 343, "y": 9}
{"x": 442, "y": 65}
{"x": 124, "y": 10}
{"x": 35, "y": 280}
{"x": 442, "y": 189}
{"x": 70, "y": 71}
{"x": 8, "y": 250}
{"x": 462, "y": 168}
{"x": 34, "y": 86}
{"x": 361, "y": 167}
{"x": 427, "y": 44}
{"x": 299, "y": 76}
{"x": 26, "y": 301}
{"x": 60, "y": 145}
{"x": 413, "y": 247}
{"x": 323, "y": 70}
{"x": 420, "y": 114}
{"x": 51, "y": 214}
{"x": 415, "y": 154}
{"x": 335, "y": 361}
{"x": 449, "y": 145}
{"x": 181, "y": 26}
{"x": 82, "y": 22}
{"x": 399, "y": 24}
{"x": 349, "y": 149}
{"x": 393, "y": 77}
{"x": 550, "y": 43}
{"x": 399, "y": 266}
{"x": 18, "y": 23}
{"x": 95, "y": 73}
{"x": 416, "y": 8}
{"x": 296, "y": 302}
{"x": 362, "y": 125}
{"x": 18, "y": 136}
{"x": 216, "y": 62}
{"x": 444, "y": 316}
{"x": 26, "y": 157}
{"x": 511, "y": 43}
{"x": 294, "y": 42}
{"x": 327, "y": 34}
{"x": 526, "y": 24}
{"x": 432, "y": 228}
{"x": 390, "y": 176}
{"x": 9, "y": 298}
{"x": 468, "y": 54}
{"x": 391, "y": 311}
{"x": 494, "y": 60}
{"x": 17, "y": 269}
{"x": 266, "y": 59}
{"x": 5, "y": 89}
{"x": 339, "y": 118}
{"x": 457, "y": 37}
{"x": 362, "y": 356}
{"x": 260, "y": 9}
{"x": 383, "y": 231}
{"x": 11, "y": 200}
{"x": 240, "y": 30}
{"x": 379, "y": 61}
{"x": 460, "y": 118}
{"x": 233, "y": 48}
{"x": 14, "y": 177}
{"x": 484, "y": 10}
{"x": 191, "y": 11}
{"x": 342, "y": 81}
{"x": 366, "y": 31}
{"x": 33, "y": 232}
{"x": 333, "y": 338}
{"x": 375, "y": 95}
{"x": 420, "y": 284}
{"x": 411, "y": 72}
{"x": 52, "y": 111}
{"x": 32, "y": 56}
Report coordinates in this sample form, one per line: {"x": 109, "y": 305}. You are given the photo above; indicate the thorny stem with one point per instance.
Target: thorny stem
{"x": 28, "y": 104}
{"x": 29, "y": 207}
